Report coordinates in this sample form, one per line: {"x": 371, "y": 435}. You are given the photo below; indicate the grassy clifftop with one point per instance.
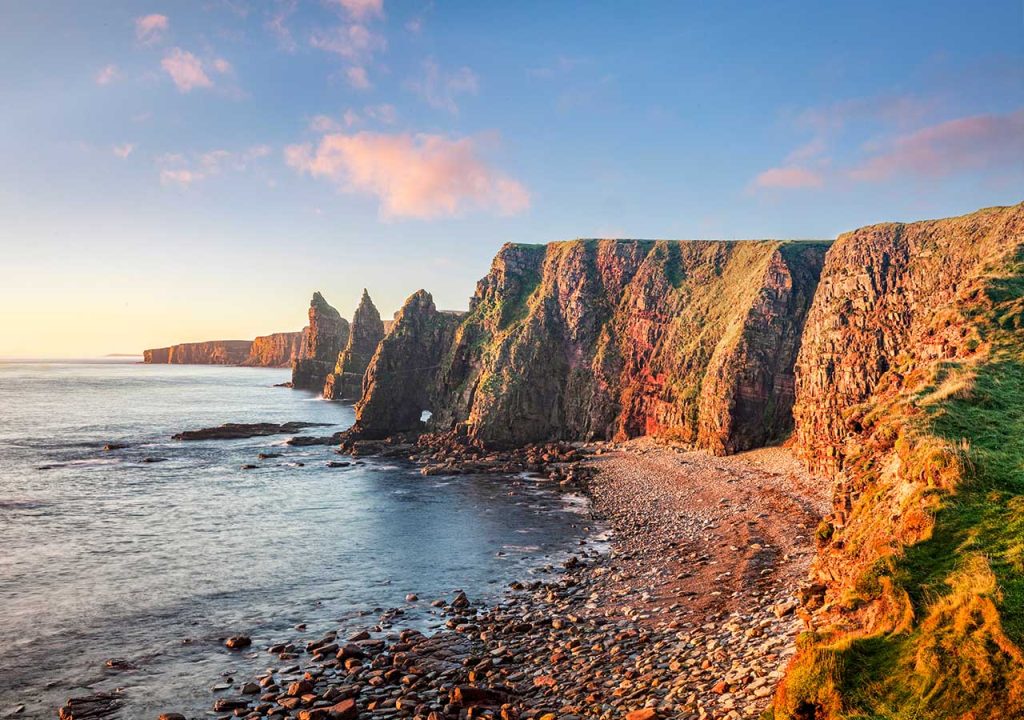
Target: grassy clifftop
{"x": 924, "y": 556}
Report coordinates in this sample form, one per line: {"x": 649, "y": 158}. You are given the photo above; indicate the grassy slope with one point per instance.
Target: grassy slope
{"x": 950, "y": 644}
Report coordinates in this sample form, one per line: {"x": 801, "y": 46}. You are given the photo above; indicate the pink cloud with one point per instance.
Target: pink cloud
{"x": 222, "y": 66}
{"x": 418, "y": 176}
{"x": 107, "y": 75}
{"x": 150, "y": 28}
{"x": 123, "y": 151}
{"x": 358, "y": 78}
{"x": 788, "y": 178}
{"x": 277, "y": 24}
{"x": 353, "y": 42}
{"x": 440, "y": 89}
{"x": 186, "y": 70}
{"x": 361, "y": 9}
{"x": 971, "y": 143}
{"x": 182, "y": 177}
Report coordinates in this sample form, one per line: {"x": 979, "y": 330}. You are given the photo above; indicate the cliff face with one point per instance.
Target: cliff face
{"x": 604, "y": 338}
{"x": 214, "y": 352}
{"x": 910, "y": 396}
{"x": 367, "y": 330}
{"x": 401, "y": 380}
{"x": 321, "y": 342}
{"x": 276, "y": 350}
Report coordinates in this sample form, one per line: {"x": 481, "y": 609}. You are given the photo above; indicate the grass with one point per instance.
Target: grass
{"x": 946, "y": 607}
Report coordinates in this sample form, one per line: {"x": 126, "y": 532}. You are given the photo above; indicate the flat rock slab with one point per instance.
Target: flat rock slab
{"x": 235, "y": 431}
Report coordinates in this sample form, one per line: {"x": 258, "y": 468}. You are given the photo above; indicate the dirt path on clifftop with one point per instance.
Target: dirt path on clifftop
{"x": 700, "y": 535}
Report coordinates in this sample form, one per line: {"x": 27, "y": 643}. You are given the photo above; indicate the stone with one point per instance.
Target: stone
{"x": 238, "y": 642}
{"x": 322, "y": 340}
{"x": 366, "y": 332}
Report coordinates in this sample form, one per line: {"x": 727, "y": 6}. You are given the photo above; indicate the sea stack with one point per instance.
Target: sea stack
{"x": 322, "y": 341}
{"x": 367, "y": 330}
{"x": 401, "y": 381}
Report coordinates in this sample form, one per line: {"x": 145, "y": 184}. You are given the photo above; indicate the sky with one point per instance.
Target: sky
{"x": 194, "y": 170}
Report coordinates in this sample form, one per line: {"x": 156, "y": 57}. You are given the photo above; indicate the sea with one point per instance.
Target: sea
{"x": 149, "y": 556}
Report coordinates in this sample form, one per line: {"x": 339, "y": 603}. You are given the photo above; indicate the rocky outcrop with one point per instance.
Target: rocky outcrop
{"x": 401, "y": 381}
{"x": 276, "y": 350}
{"x": 908, "y": 395}
{"x": 214, "y": 352}
{"x": 618, "y": 338}
{"x": 322, "y": 340}
{"x": 367, "y": 330}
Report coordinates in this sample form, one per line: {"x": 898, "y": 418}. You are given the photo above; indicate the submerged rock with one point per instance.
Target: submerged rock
{"x": 234, "y": 431}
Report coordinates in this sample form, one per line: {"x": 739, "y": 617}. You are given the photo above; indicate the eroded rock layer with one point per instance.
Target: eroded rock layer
{"x": 322, "y": 340}
{"x": 366, "y": 332}
{"x": 214, "y": 352}
{"x": 620, "y": 338}
{"x": 276, "y": 350}
{"x": 910, "y": 397}
{"x": 401, "y": 381}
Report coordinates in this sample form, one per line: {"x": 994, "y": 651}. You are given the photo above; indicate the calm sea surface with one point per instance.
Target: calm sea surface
{"x": 104, "y": 556}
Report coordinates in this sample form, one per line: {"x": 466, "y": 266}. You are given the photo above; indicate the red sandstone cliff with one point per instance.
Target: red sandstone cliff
{"x": 322, "y": 340}
{"x": 910, "y": 398}
{"x": 366, "y": 332}
{"x": 276, "y": 350}
{"x": 605, "y": 338}
{"x": 214, "y": 352}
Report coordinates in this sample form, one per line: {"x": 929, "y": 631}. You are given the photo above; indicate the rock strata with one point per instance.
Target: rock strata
{"x": 367, "y": 330}
{"x": 401, "y": 382}
{"x": 616, "y": 339}
{"x": 214, "y": 352}
{"x": 276, "y": 350}
{"x": 322, "y": 341}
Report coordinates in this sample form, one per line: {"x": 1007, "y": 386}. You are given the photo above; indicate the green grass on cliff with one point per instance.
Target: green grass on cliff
{"x": 959, "y": 655}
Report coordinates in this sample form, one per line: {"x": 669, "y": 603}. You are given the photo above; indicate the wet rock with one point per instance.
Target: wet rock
{"x": 171, "y": 716}
{"x": 235, "y": 431}
{"x": 238, "y": 642}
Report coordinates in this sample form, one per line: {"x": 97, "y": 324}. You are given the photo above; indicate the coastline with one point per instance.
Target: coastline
{"x": 691, "y": 612}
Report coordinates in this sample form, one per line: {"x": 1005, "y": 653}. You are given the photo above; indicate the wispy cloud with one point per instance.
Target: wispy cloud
{"x": 361, "y": 9}
{"x": 440, "y": 89}
{"x": 124, "y": 150}
{"x": 357, "y": 77}
{"x": 107, "y": 75}
{"x": 151, "y": 28}
{"x": 789, "y": 178}
{"x": 981, "y": 142}
{"x": 355, "y": 43}
{"x": 277, "y": 24}
{"x": 186, "y": 70}
{"x": 902, "y": 143}
{"x": 413, "y": 176}
{"x": 179, "y": 170}
{"x": 383, "y": 114}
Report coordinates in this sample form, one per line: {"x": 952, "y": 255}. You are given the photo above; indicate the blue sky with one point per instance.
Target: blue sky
{"x": 180, "y": 171}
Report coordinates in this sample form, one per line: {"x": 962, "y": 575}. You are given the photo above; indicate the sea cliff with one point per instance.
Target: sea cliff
{"x": 214, "y": 352}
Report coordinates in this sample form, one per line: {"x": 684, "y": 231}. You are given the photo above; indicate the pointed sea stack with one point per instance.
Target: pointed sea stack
{"x": 322, "y": 341}
{"x": 367, "y": 330}
{"x": 401, "y": 381}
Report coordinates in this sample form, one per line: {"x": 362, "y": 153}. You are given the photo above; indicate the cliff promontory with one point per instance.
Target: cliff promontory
{"x": 213, "y": 352}
{"x": 612, "y": 339}
{"x": 322, "y": 340}
{"x": 367, "y": 330}
{"x": 276, "y": 350}
{"x": 910, "y": 397}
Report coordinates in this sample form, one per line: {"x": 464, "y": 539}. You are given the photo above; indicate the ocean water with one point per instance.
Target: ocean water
{"x": 105, "y": 556}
